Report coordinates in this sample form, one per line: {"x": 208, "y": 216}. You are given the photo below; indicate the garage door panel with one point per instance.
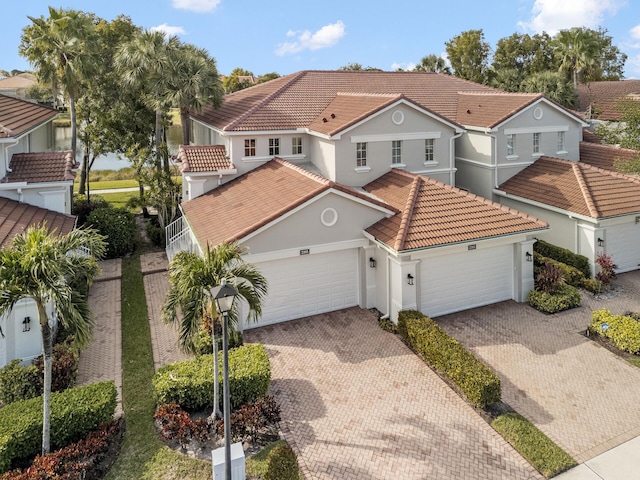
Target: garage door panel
{"x": 623, "y": 244}
{"x": 308, "y": 285}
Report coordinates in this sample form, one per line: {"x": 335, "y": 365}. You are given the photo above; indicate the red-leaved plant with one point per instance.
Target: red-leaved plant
{"x": 607, "y": 268}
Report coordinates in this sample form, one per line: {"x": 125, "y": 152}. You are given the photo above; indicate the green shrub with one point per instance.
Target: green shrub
{"x": 190, "y": 383}
{"x": 118, "y": 225}
{"x": 623, "y": 330}
{"x": 282, "y": 464}
{"x": 64, "y": 366}
{"x": 593, "y": 285}
{"x": 564, "y": 255}
{"x": 19, "y": 382}
{"x": 83, "y": 207}
{"x": 74, "y": 413}
{"x": 155, "y": 232}
{"x": 564, "y": 297}
{"x": 571, "y": 275}
{"x": 476, "y": 380}
{"x": 204, "y": 341}
{"x": 545, "y": 456}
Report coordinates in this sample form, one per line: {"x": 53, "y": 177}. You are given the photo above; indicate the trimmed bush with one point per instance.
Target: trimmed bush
{"x": 623, "y": 330}
{"x": 190, "y": 383}
{"x": 282, "y": 464}
{"x": 563, "y": 255}
{"x": 74, "y": 413}
{"x": 155, "y": 232}
{"x": 18, "y": 382}
{"x": 545, "y": 456}
{"x": 204, "y": 341}
{"x": 562, "y": 298}
{"x": 83, "y": 207}
{"x": 476, "y": 380}
{"x": 571, "y": 275}
{"x": 118, "y": 225}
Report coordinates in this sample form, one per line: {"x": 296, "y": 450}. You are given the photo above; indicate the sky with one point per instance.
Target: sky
{"x": 286, "y": 36}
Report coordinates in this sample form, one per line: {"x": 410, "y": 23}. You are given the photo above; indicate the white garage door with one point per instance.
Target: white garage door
{"x": 309, "y": 284}
{"x": 465, "y": 280}
{"x": 623, "y": 244}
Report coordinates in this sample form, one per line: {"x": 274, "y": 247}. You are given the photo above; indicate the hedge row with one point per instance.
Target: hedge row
{"x": 477, "y": 381}
{"x": 623, "y": 330}
{"x": 74, "y": 413}
{"x": 190, "y": 383}
{"x": 571, "y": 275}
{"x": 564, "y": 297}
{"x": 563, "y": 255}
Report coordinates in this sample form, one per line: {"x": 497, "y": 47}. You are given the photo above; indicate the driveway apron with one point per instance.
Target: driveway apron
{"x": 581, "y": 395}
{"x": 358, "y": 404}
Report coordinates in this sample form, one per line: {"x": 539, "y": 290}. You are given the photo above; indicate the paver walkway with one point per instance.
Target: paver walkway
{"x": 581, "y": 395}
{"x": 358, "y": 404}
{"x": 102, "y": 359}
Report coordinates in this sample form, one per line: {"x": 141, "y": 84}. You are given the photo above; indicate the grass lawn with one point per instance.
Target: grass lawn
{"x": 109, "y": 184}
{"x": 120, "y": 199}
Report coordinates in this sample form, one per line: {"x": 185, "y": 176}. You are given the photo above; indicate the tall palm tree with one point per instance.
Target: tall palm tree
{"x": 191, "y": 279}
{"x": 40, "y": 265}
{"x": 62, "y": 49}
{"x": 577, "y": 49}
{"x": 193, "y": 83}
{"x": 432, "y": 63}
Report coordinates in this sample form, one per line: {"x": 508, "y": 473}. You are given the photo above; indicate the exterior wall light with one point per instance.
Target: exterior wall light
{"x": 372, "y": 262}
{"x": 410, "y": 279}
{"x": 529, "y": 257}
{"x": 600, "y": 242}
{"x": 26, "y": 324}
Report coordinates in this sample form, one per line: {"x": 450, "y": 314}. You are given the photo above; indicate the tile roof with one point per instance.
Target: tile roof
{"x": 602, "y": 99}
{"x": 490, "y": 109}
{"x": 576, "y": 187}
{"x": 589, "y": 136}
{"x": 19, "y": 116}
{"x": 433, "y": 213}
{"x": 15, "y": 217}
{"x": 250, "y": 201}
{"x": 298, "y": 100}
{"x": 40, "y": 167}
{"x": 17, "y": 82}
{"x": 203, "y": 158}
{"x": 605, "y": 156}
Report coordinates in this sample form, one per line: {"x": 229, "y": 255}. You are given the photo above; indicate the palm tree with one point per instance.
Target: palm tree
{"x": 577, "y": 49}
{"x": 191, "y": 279}
{"x": 62, "y": 50}
{"x": 42, "y": 266}
{"x": 193, "y": 83}
{"x": 432, "y": 63}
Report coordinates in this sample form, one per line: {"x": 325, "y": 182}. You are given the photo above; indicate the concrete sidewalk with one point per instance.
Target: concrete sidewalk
{"x": 620, "y": 463}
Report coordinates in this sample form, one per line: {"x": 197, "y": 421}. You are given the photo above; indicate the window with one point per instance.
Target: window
{"x": 361, "y": 154}
{"x": 296, "y": 146}
{"x": 274, "y": 146}
{"x": 511, "y": 145}
{"x": 396, "y": 151}
{"x": 250, "y": 147}
{"x": 560, "y": 141}
{"x": 428, "y": 150}
{"x": 536, "y": 143}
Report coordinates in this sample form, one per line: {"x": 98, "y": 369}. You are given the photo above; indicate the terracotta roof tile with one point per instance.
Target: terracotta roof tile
{"x": 605, "y": 156}
{"x": 434, "y": 213}
{"x": 15, "y": 217}
{"x": 41, "y": 167}
{"x": 203, "y": 158}
{"x": 19, "y": 116}
{"x": 490, "y": 109}
{"x": 576, "y": 187}
{"x": 250, "y": 201}
{"x": 602, "y": 99}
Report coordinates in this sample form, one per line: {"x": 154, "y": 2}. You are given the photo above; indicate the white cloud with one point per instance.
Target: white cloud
{"x": 168, "y": 30}
{"x": 635, "y": 32}
{"x": 632, "y": 69}
{"x": 553, "y": 15}
{"x": 406, "y": 66}
{"x": 327, "y": 36}
{"x": 197, "y": 5}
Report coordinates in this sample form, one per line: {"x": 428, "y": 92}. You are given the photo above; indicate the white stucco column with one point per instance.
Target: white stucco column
{"x": 403, "y": 295}
{"x": 523, "y": 269}
{"x": 370, "y": 286}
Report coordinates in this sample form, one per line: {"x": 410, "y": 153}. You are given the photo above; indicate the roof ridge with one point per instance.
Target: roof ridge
{"x": 260, "y": 104}
{"x": 407, "y": 213}
{"x": 586, "y": 191}
{"x": 609, "y": 147}
{"x": 313, "y": 176}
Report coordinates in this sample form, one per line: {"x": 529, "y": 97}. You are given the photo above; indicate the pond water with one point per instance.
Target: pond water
{"x": 112, "y": 161}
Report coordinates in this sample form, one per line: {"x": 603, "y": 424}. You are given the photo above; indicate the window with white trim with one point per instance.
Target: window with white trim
{"x": 536, "y": 142}
{"x": 249, "y": 147}
{"x": 560, "y": 141}
{"x": 296, "y": 146}
{"x": 511, "y": 145}
{"x": 361, "y": 154}
{"x": 396, "y": 151}
{"x": 274, "y": 146}
{"x": 428, "y": 150}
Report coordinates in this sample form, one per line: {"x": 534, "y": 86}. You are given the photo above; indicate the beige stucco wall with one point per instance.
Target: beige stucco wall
{"x": 305, "y": 228}
{"x": 322, "y": 154}
{"x": 41, "y": 139}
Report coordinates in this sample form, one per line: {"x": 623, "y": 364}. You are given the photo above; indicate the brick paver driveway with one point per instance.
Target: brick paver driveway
{"x": 357, "y": 404}
{"x": 581, "y": 395}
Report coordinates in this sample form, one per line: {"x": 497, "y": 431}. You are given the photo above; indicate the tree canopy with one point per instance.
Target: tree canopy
{"x": 468, "y": 54}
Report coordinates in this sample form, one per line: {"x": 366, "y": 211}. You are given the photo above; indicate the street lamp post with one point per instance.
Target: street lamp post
{"x": 224, "y": 295}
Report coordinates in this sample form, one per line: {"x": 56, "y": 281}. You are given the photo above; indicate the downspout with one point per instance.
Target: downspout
{"x": 6, "y": 155}
{"x": 21, "y": 195}
{"x": 452, "y": 158}
{"x": 494, "y": 158}
{"x": 388, "y": 315}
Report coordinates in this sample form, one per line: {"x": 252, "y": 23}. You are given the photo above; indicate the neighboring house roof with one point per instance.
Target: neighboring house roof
{"x": 576, "y": 187}
{"x": 250, "y": 201}
{"x": 589, "y": 136}
{"x": 19, "y": 116}
{"x": 41, "y": 167}
{"x": 490, "y": 109}
{"x": 203, "y": 158}
{"x": 600, "y": 100}
{"x": 605, "y": 156}
{"x": 433, "y": 213}
{"x": 17, "y": 82}
{"x": 300, "y": 99}
{"x": 15, "y": 217}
